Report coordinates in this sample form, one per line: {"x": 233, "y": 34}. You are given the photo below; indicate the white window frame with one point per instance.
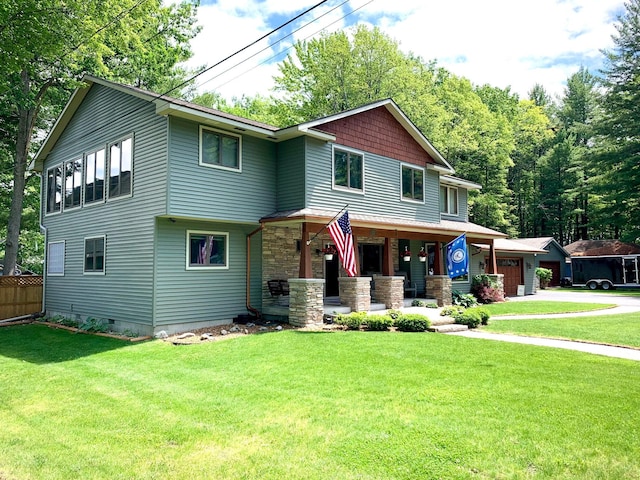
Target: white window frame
{"x": 56, "y": 256}
{"x": 104, "y": 255}
{"x": 46, "y": 189}
{"x": 343, "y": 188}
{"x": 79, "y": 160}
{"x": 226, "y": 134}
{"x": 190, "y": 266}
{"x": 413, "y": 167}
{"x": 107, "y": 180}
{"x": 444, "y": 209}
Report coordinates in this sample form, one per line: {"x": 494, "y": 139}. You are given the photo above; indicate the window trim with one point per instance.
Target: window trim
{"x": 64, "y": 184}
{"x": 342, "y": 188}
{"x": 104, "y": 255}
{"x": 223, "y": 133}
{"x": 46, "y": 184}
{"x": 64, "y": 248}
{"x": 94, "y": 151}
{"x": 412, "y": 167}
{"x": 189, "y": 266}
{"x": 107, "y": 173}
{"x": 444, "y": 209}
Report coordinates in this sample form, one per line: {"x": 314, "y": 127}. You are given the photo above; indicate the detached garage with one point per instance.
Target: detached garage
{"x": 555, "y": 259}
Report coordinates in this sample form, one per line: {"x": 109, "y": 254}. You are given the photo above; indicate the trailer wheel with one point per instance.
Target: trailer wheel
{"x": 606, "y": 285}
{"x": 592, "y": 285}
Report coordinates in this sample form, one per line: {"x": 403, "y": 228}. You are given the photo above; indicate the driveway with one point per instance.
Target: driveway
{"x": 562, "y": 295}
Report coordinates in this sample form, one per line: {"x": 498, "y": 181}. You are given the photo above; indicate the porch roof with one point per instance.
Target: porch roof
{"x": 381, "y": 222}
{"x": 512, "y": 246}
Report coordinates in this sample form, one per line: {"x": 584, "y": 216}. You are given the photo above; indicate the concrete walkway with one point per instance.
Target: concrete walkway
{"x": 625, "y": 305}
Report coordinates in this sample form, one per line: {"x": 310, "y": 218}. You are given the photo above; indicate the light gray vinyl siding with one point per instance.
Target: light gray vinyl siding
{"x": 198, "y": 191}
{"x": 291, "y": 174}
{"x": 124, "y": 292}
{"x": 381, "y": 187}
{"x": 189, "y": 296}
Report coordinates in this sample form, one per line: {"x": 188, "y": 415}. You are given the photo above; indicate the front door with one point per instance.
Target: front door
{"x": 331, "y": 271}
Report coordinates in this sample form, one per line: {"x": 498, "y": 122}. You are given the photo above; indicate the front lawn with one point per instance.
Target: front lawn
{"x": 542, "y": 307}
{"x": 299, "y": 405}
{"x": 622, "y": 329}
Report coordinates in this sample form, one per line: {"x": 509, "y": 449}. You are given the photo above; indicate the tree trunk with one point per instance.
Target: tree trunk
{"x": 26, "y": 115}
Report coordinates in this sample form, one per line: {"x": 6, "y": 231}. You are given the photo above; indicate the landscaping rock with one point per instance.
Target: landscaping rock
{"x": 186, "y": 335}
{"x": 207, "y": 336}
{"x": 224, "y": 332}
{"x": 162, "y": 334}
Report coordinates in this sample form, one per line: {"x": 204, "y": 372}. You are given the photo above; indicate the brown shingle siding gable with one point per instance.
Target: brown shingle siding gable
{"x": 377, "y": 131}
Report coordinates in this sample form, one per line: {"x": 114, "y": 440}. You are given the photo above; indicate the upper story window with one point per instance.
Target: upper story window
{"x": 209, "y": 250}
{"x": 54, "y": 189}
{"x": 120, "y": 163}
{"x": 220, "y": 149}
{"x": 348, "y": 170}
{"x": 448, "y": 200}
{"x": 94, "y": 176}
{"x": 72, "y": 183}
{"x": 94, "y": 255}
{"x": 412, "y": 183}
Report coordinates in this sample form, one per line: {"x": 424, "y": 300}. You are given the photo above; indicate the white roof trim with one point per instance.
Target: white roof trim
{"x": 459, "y": 182}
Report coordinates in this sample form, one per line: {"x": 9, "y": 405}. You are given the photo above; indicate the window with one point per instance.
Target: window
{"x": 218, "y": 149}
{"x": 207, "y": 250}
{"x": 120, "y": 162}
{"x": 72, "y": 183}
{"x": 412, "y": 183}
{"x": 55, "y": 258}
{"x": 448, "y": 200}
{"x": 94, "y": 255}
{"x": 54, "y": 189}
{"x": 348, "y": 170}
{"x": 94, "y": 176}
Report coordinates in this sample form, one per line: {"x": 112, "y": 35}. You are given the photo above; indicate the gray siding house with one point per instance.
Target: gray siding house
{"x": 165, "y": 215}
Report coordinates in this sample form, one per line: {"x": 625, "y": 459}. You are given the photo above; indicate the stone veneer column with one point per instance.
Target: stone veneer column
{"x": 498, "y": 278}
{"x": 355, "y": 293}
{"x": 440, "y": 287}
{"x": 389, "y": 290}
{"x": 306, "y": 304}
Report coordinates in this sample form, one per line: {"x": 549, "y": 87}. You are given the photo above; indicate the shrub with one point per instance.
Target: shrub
{"x": 94, "y": 325}
{"x": 486, "y": 290}
{"x": 465, "y": 300}
{"x": 352, "y": 320}
{"x": 412, "y": 322}
{"x": 469, "y": 318}
{"x": 483, "y": 313}
{"x": 393, "y": 313}
{"x": 378, "y": 323}
{"x": 418, "y": 303}
{"x": 62, "y": 320}
{"x": 453, "y": 311}
{"x": 544, "y": 274}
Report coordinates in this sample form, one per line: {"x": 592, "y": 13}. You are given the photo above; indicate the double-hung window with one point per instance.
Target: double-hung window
{"x": 120, "y": 163}
{"x": 72, "y": 183}
{"x": 448, "y": 200}
{"x": 94, "y": 253}
{"x": 207, "y": 250}
{"x": 55, "y": 258}
{"x": 94, "y": 172}
{"x": 348, "y": 170}
{"x": 220, "y": 149}
{"x": 412, "y": 183}
{"x": 54, "y": 189}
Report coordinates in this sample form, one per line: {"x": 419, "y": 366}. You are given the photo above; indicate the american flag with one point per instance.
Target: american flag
{"x": 340, "y": 232}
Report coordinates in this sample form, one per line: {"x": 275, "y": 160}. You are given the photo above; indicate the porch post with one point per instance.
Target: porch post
{"x": 356, "y": 255}
{"x": 305, "y": 254}
{"x": 387, "y": 258}
{"x": 437, "y": 259}
{"x": 492, "y": 268}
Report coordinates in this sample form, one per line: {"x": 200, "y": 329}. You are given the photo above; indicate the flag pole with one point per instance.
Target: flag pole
{"x": 320, "y": 231}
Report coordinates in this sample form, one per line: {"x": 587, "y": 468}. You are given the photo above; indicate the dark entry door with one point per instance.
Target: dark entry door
{"x": 331, "y": 285}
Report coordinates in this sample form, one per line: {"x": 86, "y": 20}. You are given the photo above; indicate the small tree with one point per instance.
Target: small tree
{"x": 544, "y": 275}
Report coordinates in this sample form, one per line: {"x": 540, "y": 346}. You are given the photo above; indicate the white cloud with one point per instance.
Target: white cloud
{"x": 499, "y": 42}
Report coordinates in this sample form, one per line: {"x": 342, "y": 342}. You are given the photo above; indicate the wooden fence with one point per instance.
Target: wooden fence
{"x": 20, "y": 295}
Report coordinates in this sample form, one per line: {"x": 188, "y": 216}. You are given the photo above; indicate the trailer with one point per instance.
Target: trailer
{"x": 605, "y": 271}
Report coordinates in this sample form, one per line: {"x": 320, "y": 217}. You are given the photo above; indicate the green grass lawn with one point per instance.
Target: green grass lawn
{"x": 535, "y": 307}
{"x": 623, "y": 329}
{"x": 294, "y": 405}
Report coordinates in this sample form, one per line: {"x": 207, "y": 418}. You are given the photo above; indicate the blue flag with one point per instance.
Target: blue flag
{"x": 457, "y": 259}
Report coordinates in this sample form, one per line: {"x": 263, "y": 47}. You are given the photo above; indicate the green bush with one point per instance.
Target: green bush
{"x": 483, "y": 313}
{"x": 94, "y": 325}
{"x": 469, "y": 318}
{"x": 378, "y": 323}
{"x": 412, "y": 322}
{"x": 465, "y": 300}
{"x": 393, "y": 313}
{"x": 62, "y": 320}
{"x": 453, "y": 311}
{"x": 351, "y": 320}
{"x": 544, "y": 274}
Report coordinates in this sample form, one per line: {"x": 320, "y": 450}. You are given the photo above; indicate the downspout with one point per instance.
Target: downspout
{"x": 253, "y": 310}
{"x": 43, "y": 229}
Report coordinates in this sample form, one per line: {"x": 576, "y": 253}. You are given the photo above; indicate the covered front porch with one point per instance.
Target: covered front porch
{"x": 391, "y": 270}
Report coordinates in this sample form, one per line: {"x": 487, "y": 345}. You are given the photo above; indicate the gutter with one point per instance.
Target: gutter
{"x": 253, "y": 310}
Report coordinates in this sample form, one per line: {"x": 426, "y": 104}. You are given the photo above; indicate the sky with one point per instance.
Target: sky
{"x": 503, "y": 43}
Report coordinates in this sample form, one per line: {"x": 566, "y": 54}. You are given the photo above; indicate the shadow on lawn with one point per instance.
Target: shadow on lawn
{"x": 40, "y": 344}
